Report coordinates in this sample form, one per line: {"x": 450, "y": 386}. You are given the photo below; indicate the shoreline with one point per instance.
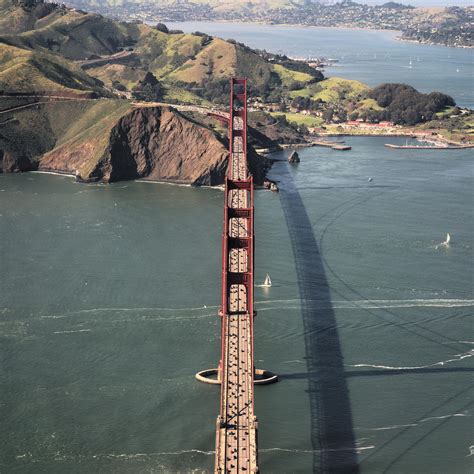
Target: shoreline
{"x": 429, "y": 43}
{"x": 287, "y": 25}
{"x": 310, "y": 142}
{"x": 298, "y": 25}
{"x": 54, "y": 173}
{"x": 176, "y": 183}
{"x": 398, "y": 135}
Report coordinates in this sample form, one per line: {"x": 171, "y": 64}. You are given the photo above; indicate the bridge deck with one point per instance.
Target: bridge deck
{"x": 236, "y": 435}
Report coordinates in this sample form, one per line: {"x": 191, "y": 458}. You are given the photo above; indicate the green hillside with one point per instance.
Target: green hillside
{"x": 24, "y": 70}
{"x": 77, "y": 36}
{"x": 197, "y": 64}
{"x": 34, "y": 131}
{"x": 334, "y": 89}
{"x": 14, "y": 19}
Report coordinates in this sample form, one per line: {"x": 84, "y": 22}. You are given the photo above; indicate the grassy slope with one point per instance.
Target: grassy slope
{"x": 218, "y": 59}
{"x": 27, "y": 71}
{"x": 89, "y": 131}
{"x": 333, "y": 89}
{"x": 64, "y": 123}
{"x": 75, "y": 35}
{"x": 17, "y": 20}
{"x": 287, "y": 76}
{"x": 300, "y": 119}
{"x": 126, "y": 75}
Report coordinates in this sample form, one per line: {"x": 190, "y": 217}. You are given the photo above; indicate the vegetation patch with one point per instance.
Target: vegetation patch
{"x": 403, "y": 104}
{"x": 301, "y": 119}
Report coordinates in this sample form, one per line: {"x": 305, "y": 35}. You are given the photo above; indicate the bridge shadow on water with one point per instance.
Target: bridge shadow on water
{"x": 332, "y": 433}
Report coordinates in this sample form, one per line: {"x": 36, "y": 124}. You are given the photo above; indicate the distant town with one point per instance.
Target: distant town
{"x": 452, "y": 26}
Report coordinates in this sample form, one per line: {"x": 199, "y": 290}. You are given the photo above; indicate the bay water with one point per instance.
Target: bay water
{"x": 108, "y": 307}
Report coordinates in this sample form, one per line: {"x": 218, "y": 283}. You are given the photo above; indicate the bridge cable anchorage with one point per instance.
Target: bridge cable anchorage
{"x": 236, "y": 426}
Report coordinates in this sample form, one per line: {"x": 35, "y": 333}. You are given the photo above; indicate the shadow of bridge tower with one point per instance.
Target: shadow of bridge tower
{"x": 332, "y": 433}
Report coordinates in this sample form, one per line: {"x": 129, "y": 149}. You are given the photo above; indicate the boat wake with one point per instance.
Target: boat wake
{"x": 409, "y": 425}
{"x": 457, "y": 358}
{"x": 312, "y": 451}
{"x": 375, "y": 304}
{"x": 125, "y": 310}
{"x": 72, "y": 332}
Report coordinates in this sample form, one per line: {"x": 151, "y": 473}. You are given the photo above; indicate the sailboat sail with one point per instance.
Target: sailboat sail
{"x": 448, "y": 238}
{"x": 268, "y": 281}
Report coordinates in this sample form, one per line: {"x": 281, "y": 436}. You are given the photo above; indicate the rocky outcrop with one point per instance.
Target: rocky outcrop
{"x": 294, "y": 158}
{"x": 151, "y": 143}
{"x": 160, "y": 144}
{"x": 11, "y": 162}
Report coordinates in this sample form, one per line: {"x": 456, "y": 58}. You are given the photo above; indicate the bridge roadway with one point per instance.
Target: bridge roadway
{"x": 236, "y": 433}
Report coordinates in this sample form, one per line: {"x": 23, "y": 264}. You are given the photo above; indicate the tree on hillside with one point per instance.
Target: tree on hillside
{"x": 148, "y": 89}
{"x": 405, "y": 105}
{"x": 162, "y": 27}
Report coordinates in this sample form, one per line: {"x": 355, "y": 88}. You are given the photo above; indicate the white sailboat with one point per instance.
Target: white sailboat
{"x": 411, "y": 64}
{"x": 267, "y": 283}
{"x": 446, "y": 243}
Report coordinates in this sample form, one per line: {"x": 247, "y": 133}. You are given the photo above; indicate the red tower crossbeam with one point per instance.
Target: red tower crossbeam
{"x": 236, "y": 430}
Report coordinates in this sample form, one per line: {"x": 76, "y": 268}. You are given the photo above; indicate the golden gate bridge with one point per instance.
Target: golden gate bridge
{"x": 236, "y": 426}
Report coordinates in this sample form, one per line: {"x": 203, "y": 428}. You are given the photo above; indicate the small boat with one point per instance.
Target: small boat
{"x": 411, "y": 64}
{"x": 457, "y": 69}
{"x": 446, "y": 243}
{"x": 267, "y": 283}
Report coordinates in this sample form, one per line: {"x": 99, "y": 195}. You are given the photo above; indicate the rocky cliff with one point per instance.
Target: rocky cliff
{"x": 126, "y": 143}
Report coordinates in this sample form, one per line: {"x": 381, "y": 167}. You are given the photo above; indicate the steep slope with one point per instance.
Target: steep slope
{"x": 153, "y": 143}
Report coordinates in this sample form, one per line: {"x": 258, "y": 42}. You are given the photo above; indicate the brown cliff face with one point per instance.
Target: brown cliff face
{"x": 160, "y": 144}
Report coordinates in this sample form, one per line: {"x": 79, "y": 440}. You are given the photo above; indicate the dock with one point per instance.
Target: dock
{"x": 333, "y": 145}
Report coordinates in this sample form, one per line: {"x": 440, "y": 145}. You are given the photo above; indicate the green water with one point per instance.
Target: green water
{"x": 108, "y": 307}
